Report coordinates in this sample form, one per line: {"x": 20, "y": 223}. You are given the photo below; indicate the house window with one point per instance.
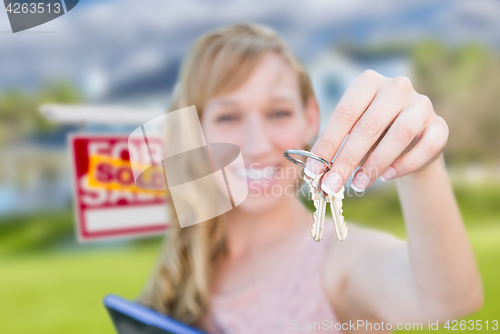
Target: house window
{"x": 332, "y": 88}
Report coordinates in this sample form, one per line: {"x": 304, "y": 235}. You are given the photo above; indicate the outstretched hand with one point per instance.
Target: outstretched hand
{"x": 393, "y": 131}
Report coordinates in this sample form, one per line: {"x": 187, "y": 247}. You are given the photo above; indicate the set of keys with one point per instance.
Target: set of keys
{"x": 321, "y": 199}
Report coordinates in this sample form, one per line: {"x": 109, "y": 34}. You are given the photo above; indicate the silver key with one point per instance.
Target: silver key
{"x": 338, "y": 219}
{"x": 320, "y": 201}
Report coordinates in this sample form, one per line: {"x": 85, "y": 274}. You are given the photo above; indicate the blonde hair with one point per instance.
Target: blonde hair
{"x": 218, "y": 62}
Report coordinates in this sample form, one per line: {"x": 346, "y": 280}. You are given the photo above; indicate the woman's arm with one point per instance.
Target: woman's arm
{"x": 375, "y": 277}
{"x": 442, "y": 262}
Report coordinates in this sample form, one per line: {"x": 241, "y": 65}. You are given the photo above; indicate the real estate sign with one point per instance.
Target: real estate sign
{"x": 108, "y": 203}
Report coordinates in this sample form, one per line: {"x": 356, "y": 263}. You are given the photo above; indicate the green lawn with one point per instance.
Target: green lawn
{"x": 59, "y": 290}
{"x": 62, "y": 293}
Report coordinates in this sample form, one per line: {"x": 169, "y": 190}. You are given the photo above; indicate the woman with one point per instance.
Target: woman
{"x": 256, "y": 268}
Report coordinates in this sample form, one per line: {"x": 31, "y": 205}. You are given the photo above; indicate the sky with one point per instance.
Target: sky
{"x": 110, "y": 42}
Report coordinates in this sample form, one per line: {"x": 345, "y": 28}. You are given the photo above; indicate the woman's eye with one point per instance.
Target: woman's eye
{"x": 227, "y": 118}
{"x": 281, "y": 114}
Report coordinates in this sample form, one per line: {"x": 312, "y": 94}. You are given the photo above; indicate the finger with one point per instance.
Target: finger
{"x": 429, "y": 146}
{"x": 383, "y": 110}
{"x": 402, "y": 132}
{"x": 352, "y": 105}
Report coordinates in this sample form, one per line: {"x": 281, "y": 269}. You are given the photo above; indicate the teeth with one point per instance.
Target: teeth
{"x": 257, "y": 173}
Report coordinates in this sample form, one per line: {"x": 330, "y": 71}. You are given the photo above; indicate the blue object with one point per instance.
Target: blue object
{"x": 130, "y": 318}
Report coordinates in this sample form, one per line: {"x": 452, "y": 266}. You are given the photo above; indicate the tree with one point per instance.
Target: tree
{"x": 464, "y": 85}
{"x": 19, "y": 116}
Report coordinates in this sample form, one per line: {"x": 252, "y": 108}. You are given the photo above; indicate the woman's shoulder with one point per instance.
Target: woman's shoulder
{"x": 360, "y": 239}
{"x": 361, "y": 243}
{"x": 343, "y": 257}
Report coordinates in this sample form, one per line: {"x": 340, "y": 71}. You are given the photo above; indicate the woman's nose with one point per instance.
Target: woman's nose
{"x": 256, "y": 139}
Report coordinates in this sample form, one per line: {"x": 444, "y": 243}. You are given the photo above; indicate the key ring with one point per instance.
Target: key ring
{"x": 305, "y": 154}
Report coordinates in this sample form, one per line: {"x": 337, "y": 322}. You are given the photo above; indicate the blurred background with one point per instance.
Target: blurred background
{"x": 127, "y": 53}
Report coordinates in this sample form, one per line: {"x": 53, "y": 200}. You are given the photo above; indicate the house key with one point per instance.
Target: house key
{"x": 320, "y": 199}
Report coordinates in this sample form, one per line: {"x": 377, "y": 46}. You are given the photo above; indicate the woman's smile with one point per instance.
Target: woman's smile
{"x": 259, "y": 176}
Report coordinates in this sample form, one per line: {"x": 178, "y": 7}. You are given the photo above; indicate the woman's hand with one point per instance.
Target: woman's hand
{"x": 393, "y": 131}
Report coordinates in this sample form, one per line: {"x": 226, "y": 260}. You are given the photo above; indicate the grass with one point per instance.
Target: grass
{"x": 35, "y": 232}
{"x": 62, "y": 293}
{"x": 49, "y": 285}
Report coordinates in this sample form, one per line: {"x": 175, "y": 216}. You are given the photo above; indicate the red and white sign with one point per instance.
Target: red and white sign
{"x": 108, "y": 204}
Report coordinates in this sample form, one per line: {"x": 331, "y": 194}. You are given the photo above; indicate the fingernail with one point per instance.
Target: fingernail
{"x": 314, "y": 168}
{"x": 332, "y": 183}
{"x": 360, "y": 181}
{"x": 388, "y": 174}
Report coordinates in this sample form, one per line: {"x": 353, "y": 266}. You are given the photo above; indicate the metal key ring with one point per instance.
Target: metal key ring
{"x": 305, "y": 154}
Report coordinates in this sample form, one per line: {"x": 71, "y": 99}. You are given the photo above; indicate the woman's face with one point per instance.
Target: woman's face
{"x": 264, "y": 117}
